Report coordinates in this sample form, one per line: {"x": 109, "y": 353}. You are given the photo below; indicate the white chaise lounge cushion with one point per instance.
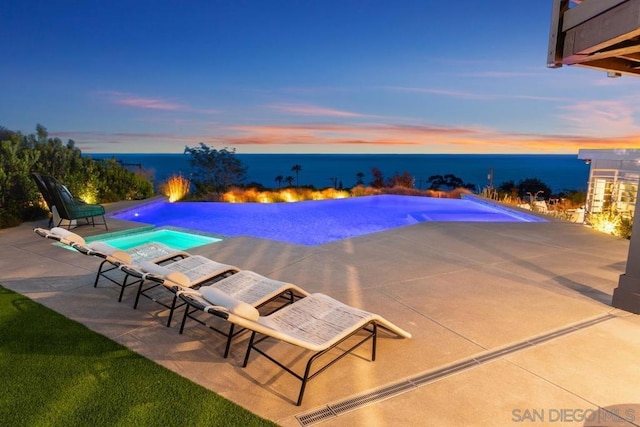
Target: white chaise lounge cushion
{"x": 114, "y": 255}
{"x": 67, "y": 236}
{"x": 235, "y": 306}
{"x": 167, "y": 274}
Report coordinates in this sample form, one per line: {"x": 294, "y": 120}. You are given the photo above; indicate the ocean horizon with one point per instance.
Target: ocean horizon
{"x": 559, "y": 171}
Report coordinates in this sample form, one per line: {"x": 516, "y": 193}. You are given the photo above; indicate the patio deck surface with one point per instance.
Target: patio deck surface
{"x": 512, "y": 324}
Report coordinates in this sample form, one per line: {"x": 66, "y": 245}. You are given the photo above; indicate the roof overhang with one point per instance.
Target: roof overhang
{"x": 598, "y": 34}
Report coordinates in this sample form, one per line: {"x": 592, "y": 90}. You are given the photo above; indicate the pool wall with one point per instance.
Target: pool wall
{"x": 174, "y": 237}
{"x": 508, "y": 210}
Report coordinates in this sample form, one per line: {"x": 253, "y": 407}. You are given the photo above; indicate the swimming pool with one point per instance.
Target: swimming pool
{"x": 318, "y": 221}
{"x": 175, "y": 239}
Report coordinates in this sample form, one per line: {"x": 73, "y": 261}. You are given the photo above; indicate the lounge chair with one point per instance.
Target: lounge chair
{"x": 144, "y": 262}
{"x": 153, "y": 251}
{"x": 194, "y": 271}
{"x": 251, "y": 288}
{"x": 68, "y": 207}
{"x": 66, "y": 237}
{"x": 317, "y": 323}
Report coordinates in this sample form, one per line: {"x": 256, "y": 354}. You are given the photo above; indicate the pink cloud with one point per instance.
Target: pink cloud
{"x": 600, "y": 118}
{"x": 312, "y": 110}
{"x": 149, "y": 103}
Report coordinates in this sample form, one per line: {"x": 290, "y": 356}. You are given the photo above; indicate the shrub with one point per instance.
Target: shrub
{"x": 252, "y": 195}
{"x": 612, "y": 222}
{"x": 176, "y": 187}
{"x": 116, "y": 183}
{"x": 94, "y": 182}
{"x": 17, "y": 190}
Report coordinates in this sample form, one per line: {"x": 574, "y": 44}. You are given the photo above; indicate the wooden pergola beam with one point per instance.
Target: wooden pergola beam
{"x": 602, "y": 31}
{"x": 594, "y": 31}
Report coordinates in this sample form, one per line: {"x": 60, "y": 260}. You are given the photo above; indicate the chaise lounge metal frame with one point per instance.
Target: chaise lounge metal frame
{"x": 113, "y": 259}
{"x": 316, "y": 323}
{"x": 190, "y": 272}
{"x": 116, "y": 258}
{"x": 251, "y": 288}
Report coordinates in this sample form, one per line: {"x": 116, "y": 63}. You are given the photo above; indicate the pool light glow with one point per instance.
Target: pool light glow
{"x": 321, "y": 221}
{"x": 178, "y": 240}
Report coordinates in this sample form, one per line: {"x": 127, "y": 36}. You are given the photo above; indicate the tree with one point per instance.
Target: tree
{"x": 378, "y": 179}
{"x": 508, "y": 188}
{"x": 57, "y": 159}
{"x": 404, "y": 180}
{"x": 5, "y": 134}
{"x": 279, "y": 180}
{"x": 289, "y": 180}
{"x": 533, "y": 186}
{"x": 449, "y": 181}
{"x": 215, "y": 170}
{"x": 360, "y": 176}
{"x": 297, "y": 169}
{"x": 42, "y": 133}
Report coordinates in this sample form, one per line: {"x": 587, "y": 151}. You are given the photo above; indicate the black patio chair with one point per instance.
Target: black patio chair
{"x": 68, "y": 207}
{"x": 46, "y": 195}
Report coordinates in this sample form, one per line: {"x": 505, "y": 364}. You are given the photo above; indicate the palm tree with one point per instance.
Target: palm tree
{"x": 297, "y": 169}
{"x": 360, "y": 175}
{"x": 279, "y": 180}
{"x": 289, "y": 180}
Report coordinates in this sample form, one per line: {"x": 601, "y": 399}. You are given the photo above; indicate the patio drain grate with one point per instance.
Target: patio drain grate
{"x": 336, "y": 409}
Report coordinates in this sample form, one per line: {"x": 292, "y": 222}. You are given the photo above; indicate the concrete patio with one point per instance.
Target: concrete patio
{"x": 511, "y": 323}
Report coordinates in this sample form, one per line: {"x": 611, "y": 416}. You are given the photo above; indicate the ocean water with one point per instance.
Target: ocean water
{"x": 560, "y": 172}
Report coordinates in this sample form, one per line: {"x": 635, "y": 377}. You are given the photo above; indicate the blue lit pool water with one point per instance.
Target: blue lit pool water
{"x": 175, "y": 239}
{"x": 320, "y": 221}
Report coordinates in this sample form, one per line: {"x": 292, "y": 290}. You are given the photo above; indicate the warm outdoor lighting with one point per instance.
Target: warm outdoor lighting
{"x": 611, "y": 222}
{"x": 609, "y": 227}
{"x": 89, "y": 194}
{"x": 251, "y": 195}
{"x": 265, "y": 198}
{"x": 289, "y": 196}
{"x": 176, "y": 187}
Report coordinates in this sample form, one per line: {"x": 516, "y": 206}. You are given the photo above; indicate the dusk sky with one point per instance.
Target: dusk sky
{"x": 271, "y": 76}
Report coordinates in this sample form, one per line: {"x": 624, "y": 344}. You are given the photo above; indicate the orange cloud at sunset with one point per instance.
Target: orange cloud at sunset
{"x": 351, "y": 138}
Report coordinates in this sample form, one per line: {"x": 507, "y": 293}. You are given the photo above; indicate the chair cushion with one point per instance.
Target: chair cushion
{"x": 113, "y": 255}
{"x": 173, "y": 276}
{"x": 235, "y": 306}
{"x": 68, "y": 236}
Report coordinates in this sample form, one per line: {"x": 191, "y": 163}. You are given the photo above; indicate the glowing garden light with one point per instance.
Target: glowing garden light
{"x": 176, "y": 187}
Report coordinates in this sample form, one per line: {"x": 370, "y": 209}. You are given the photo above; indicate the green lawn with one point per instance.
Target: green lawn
{"x": 56, "y": 372}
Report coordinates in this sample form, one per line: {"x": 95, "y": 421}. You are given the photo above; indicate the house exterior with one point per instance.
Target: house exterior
{"x": 603, "y": 35}
{"x": 614, "y": 176}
